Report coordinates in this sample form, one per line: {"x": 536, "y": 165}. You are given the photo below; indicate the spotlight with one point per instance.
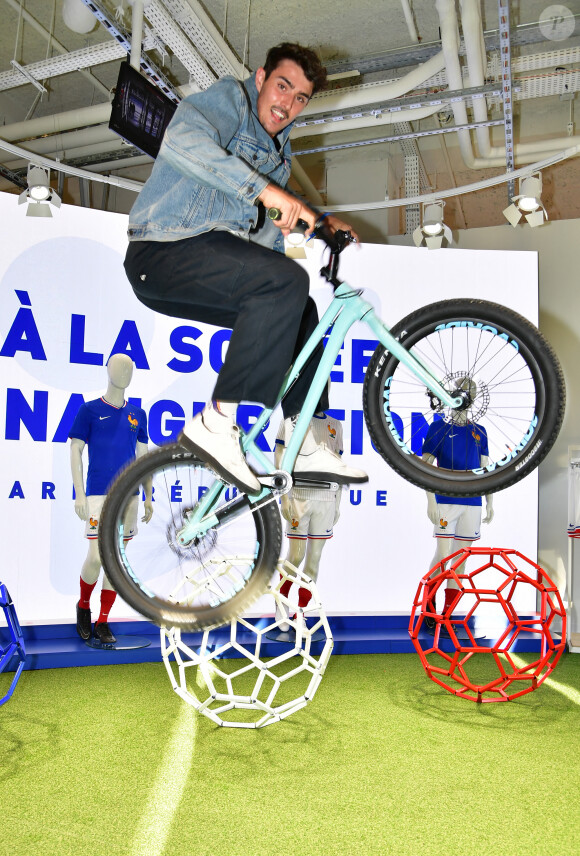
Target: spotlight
{"x": 527, "y": 203}
{"x": 433, "y": 231}
{"x": 295, "y": 244}
{"x": 39, "y": 193}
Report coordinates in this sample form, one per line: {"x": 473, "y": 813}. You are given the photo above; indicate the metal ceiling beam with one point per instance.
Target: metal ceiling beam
{"x": 524, "y": 34}
{"x": 432, "y": 132}
{"x": 69, "y": 62}
{"x": 175, "y": 39}
{"x": 202, "y": 32}
{"x": 14, "y": 177}
{"x": 54, "y": 43}
{"x": 123, "y": 37}
{"x": 503, "y": 8}
{"x": 395, "y": 105}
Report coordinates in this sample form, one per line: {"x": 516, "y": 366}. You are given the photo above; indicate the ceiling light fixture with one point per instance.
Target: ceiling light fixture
{"x": 433, "y": 231}
{"x": 39, "y": 193}
{"x": 527, "y": 203}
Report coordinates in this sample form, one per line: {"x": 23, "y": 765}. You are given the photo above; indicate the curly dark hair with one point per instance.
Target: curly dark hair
{"x": 308, "y": 61}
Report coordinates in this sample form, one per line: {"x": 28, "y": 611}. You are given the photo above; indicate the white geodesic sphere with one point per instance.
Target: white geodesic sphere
{"x": 248, "y": 679}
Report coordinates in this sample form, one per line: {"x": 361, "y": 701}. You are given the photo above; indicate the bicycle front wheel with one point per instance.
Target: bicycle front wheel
{"x": 196, "y": 585}
{"x": 510, "y": 377}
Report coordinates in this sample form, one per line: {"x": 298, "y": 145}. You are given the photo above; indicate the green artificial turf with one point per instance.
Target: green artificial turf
{"x": 109, "y": 761}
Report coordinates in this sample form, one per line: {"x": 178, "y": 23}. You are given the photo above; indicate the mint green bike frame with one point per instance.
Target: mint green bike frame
{"x": 346, "y": 308}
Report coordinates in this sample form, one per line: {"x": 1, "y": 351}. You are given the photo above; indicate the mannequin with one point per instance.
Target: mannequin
{"x": 310, "y": 513}
{"x": 115, "y": 432}
{"x": 459, "y": 444}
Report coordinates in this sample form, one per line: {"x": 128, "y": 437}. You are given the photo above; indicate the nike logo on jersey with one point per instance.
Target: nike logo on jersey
{"x": 452, "y": 435}
{"x": 104, "y": 417}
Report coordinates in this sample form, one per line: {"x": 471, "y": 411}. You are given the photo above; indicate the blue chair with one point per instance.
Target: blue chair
{"x": 16, "y": 644}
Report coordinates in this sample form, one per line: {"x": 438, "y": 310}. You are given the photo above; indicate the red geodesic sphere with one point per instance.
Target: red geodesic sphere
{"x": 472, "y": 652}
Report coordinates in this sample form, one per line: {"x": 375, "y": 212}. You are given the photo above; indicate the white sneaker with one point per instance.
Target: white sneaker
{"x": 326, "y": 465}
{"x": 282, "y": 617}
{"x": 215, "y": 438}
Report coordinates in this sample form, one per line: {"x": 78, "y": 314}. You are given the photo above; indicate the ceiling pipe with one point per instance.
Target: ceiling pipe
{"x": 450, "y": 44}
{"x": 62, "y": 147}
{"x": 495, "y": 181}
{"x": 116, "y": 165}
{"x": 136, "y": 34}
{"x": 107, "y": 151}
{"x": 378, "y": 121}
{"x": 100, "y": 113}
{"x": 68, "y": 121}
{"x": 472, "y": 26}
{"x": 524, "y": 152}
{"x": 356, "y": 96}
{"x": 299, "y": 175}
{"x": 409, "y": 19}
{"x": 128, "y": 184}
{"x": 136, "y": 186}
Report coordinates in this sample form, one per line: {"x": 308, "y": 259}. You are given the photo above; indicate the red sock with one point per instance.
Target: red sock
{"x": 285, "y": 588}
{"x": 86, "y": 591}
{"x": 107, "y": 600}
{"x": 430, "y": 604}
{"x": 451, "y": 598}
{"x": 304, "y": 596}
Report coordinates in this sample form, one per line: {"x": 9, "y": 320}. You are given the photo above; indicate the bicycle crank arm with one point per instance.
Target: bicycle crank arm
{"x": 279, "y": 482}
{"x": 317, "y": 485}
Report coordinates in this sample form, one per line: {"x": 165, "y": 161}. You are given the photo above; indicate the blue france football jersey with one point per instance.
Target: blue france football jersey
{"x": 456, "y": 447}
{"x": 111, "y": 434}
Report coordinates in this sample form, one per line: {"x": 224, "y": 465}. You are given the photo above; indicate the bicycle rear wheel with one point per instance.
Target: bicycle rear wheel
{"x": 201, "y": 584}
{"x": 519, "y": 398}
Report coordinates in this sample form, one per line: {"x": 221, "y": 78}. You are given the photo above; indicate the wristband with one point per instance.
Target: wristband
{"x": 320, "y": 217}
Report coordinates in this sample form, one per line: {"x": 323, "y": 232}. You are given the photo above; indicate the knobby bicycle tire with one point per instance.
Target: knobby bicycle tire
{"x": 205, "y": 583}
{"x": 519, "y": 398}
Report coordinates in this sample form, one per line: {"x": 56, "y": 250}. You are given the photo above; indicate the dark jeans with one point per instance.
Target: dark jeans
{"x": 218, "y": 278}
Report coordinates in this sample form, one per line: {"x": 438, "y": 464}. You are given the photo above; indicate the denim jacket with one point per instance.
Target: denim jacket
{"x": 214, "y": 161}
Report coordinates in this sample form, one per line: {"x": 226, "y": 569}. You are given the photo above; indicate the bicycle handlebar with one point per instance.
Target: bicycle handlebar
{"x": 335, "y": 241}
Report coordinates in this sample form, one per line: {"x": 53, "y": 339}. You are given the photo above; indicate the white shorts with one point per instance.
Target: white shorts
{"x": 96, "y": 503}
{"x": 462, "y": 522}
{"x": 311, "y": 518}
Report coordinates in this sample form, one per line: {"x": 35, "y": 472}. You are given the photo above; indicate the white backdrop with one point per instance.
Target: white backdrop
{"x": 65, "y": 305}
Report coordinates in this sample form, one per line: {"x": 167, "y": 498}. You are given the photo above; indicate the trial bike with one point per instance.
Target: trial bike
{"x": 209, "y": 551}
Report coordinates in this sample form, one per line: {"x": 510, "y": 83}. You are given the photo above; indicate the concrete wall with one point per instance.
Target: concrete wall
{"x": 558, "y": 246}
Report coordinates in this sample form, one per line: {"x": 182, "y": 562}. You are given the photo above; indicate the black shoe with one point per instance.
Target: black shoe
{"x": 429, "y": 625}
{"x": 102, "y": 632}
{"x": 83, "y": 622}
